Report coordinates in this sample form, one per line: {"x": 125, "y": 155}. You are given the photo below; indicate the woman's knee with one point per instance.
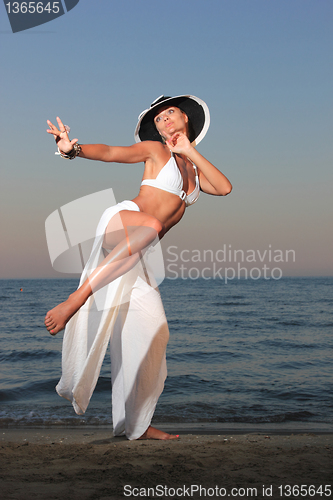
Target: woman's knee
{"x": 133, "y": 220}
{"x": 153, "y": 223}
{"x": 157, "y": 226}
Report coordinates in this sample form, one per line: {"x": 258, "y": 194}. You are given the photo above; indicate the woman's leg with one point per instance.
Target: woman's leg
{"x": 138, "y": 363}
{"x": 129, "y": 233}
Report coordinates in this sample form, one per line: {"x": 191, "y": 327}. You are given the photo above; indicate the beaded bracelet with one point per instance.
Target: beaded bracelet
{"x": 71, "y": 155}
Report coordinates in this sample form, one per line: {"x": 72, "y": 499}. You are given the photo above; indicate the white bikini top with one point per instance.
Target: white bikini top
{"x": 170, "y": 179}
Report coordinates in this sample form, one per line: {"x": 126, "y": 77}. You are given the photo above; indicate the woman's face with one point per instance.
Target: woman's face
{"x": 170, "y": 120}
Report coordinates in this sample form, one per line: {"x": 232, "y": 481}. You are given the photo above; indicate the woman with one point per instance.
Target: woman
{"x": 174, "y": 174}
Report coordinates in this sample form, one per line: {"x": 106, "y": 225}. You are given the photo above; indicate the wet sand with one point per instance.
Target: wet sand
{"x": 86, "y": 463}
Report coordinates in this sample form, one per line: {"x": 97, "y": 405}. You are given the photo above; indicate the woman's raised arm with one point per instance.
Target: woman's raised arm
{"x": 212, "y": 181}
{"x": 119, "y": 154}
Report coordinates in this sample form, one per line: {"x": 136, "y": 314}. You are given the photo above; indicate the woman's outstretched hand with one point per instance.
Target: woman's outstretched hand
{"x": 178, "y": 143}
{"x": 61, "y": 136}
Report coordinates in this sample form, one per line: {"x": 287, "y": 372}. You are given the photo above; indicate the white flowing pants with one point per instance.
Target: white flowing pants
{"x": 132, "y": 319}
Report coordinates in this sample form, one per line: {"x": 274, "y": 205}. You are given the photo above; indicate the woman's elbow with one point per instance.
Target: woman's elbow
{"x": 226, "y": 190}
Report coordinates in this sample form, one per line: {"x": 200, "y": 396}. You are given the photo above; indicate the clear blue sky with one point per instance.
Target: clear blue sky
{"x": 264, "y": 67}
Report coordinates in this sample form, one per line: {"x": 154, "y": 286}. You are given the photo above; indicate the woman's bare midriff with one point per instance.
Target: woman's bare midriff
{"x": 166, "y": 207}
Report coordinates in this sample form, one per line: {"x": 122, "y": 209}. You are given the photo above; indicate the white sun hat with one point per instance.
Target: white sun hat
{"x": 196, "y": 110}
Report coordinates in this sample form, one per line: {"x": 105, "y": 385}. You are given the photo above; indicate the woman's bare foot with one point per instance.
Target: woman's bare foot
{"x": 58, "y": 317}
{"x": 153, "y": 433}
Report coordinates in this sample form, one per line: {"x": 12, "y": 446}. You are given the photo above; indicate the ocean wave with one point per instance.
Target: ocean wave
{"x": 180, "y": 414}
{"x": 16, "y": 356}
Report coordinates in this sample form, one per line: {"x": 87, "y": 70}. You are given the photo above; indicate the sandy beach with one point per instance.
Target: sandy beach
{"x": 86, "y": 463}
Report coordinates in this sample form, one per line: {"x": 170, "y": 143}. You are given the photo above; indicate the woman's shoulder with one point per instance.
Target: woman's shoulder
{"x": 153, "y": 146}
{"x": 156, "y": 149}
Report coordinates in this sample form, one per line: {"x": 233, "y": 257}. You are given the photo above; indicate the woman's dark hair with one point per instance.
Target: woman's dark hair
{"x": 190, "y": 131}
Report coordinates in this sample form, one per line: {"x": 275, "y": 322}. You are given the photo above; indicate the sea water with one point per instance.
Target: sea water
{"x": 250, "y": 352}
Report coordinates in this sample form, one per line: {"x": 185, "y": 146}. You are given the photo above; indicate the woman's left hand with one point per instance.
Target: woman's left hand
{"x": 178, "y": 143}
